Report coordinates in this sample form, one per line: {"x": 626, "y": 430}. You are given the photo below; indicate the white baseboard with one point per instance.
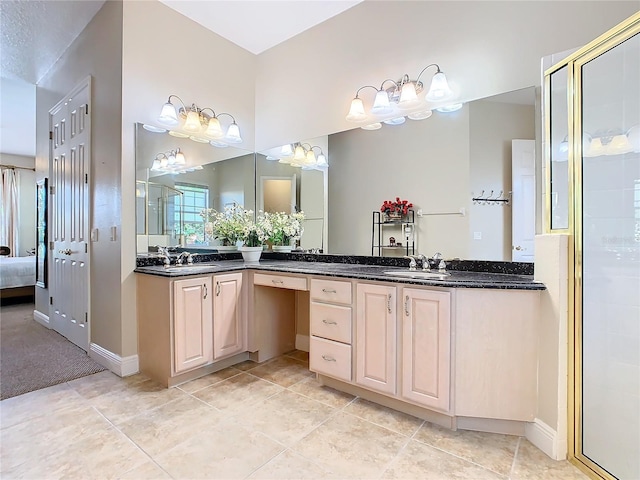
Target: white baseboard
{"x": 545, "y": 438}
{"x": 41, "y": 318}
{"x": 302, "y": 342}
{"x": 122, "y": 367}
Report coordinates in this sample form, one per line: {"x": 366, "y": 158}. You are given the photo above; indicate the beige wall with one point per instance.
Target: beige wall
{"x": 492, "y": 126}
{"x": 191, "y": 62}
{"x": 97, "y": 52}
{"x": 305, "y": 84}
{"x": 27, "y": 185}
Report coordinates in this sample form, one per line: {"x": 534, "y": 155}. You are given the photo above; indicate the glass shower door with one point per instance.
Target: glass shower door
{"x": 608, "y": 250}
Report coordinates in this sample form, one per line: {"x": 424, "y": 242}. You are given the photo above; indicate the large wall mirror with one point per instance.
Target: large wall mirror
{"x": 440, "y": 164}
{"x": 176, "y": 178}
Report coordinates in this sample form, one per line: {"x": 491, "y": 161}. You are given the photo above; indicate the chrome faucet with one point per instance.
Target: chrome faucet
{"x": 425, "y": 262}
{"x": 185, "y": 255}
{"x": 412, "y": 262}
{"x": 441, "y": 263}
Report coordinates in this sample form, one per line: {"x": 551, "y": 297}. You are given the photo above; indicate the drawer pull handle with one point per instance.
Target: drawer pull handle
{"x": 328, "y": 290}
{"x": 406, "y": 305}
{"x": 389, "y": 303}
{"x": 277, "y": 281}
{"x": 329, "y": 322}
{"x": 327, "y": 358}
{"x": 217, "y": 289}
{"x": 206, "y": 292}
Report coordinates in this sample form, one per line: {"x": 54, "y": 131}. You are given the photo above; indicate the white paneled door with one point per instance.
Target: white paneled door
{"x": 524, "y": 197}
{"x": 70, "y": 128}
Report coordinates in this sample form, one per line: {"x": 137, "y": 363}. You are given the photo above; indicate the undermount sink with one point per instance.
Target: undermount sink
{"x": 418, "y": 274}
{"x": 189, "y": 268}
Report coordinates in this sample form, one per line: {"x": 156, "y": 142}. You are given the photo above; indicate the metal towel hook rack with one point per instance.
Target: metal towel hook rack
{"x": 490, "y": 199}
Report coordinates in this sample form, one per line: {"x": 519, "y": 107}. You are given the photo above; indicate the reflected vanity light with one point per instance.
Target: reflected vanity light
{"x": 449, "y": 108}
{"x": 202, "y": 124}
{"x": 301, "y": 155}
{"x": 172, "y": 161}
{"x": 394, "y": 96}
{"x": 153, "y": 128}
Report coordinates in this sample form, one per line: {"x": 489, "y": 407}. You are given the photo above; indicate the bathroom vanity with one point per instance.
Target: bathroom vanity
{"x": 460, "y": 352}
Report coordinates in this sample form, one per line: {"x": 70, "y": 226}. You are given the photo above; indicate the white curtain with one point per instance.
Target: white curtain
{"x": 10, "y": 210}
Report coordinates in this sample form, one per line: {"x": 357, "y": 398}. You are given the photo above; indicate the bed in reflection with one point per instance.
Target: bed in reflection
{"x": 17, "y": 276}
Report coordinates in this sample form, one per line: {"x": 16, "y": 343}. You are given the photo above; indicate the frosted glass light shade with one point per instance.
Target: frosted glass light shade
{"x": 168, "y": 115}
{"x": 356, "y": 112}
{"x": 381, "y": 104}
{"x": 322, "y": 161}
{"x": 373, "y": 126}
{"x": 214, "y": 130}
{"x": 233, "y": 134}
{"x": 595, "y": 149}
{"x": 619, "y": 145}
{"x": 180, "y": 160}
{"x": 299, "y": 155}
{"x": 192, "y": 123}
{"x": 310, "y": 159}
{"x": 155, "y": 165}
{"x": 408, "y": 96}
{"x": 172, "y": 159}
{"x": 164, "y": 161}
{"x": 439, "y": 89}
{"x": 420, "y": 115}
{"x": 286, "y": 150}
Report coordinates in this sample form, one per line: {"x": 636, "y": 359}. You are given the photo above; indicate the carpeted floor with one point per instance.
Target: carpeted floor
{"x": 33, "y": 357}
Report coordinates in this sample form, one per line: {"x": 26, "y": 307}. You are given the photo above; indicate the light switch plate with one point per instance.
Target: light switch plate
{"x": 477, "y": 235}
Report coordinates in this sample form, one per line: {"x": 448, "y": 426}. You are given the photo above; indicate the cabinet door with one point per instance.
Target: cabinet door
{"x": 426, "y": 341}
{"x": 376, "y": 337}
{"x": 228, "y": 318}
{"x": 192, "y": 323}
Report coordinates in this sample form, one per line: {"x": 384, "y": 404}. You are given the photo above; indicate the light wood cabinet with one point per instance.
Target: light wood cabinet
{"x": 426, "y": 347}
{"x": 376, "y": 337}
{"x": 192, "y": 323}
{"x": 229, "y": 321}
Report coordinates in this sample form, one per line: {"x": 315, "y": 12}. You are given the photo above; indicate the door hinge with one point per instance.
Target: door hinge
{"x": 51, "y": 246}
{"x": 52, "y": 190}
{"x": 50, "y": 300}
{"x": 50, "y": 135}
{"x": 86, "y": 317}
{"x": 86, "y": 178}
{"x": 86, "y": 249}
{"x": 86, "y": 109}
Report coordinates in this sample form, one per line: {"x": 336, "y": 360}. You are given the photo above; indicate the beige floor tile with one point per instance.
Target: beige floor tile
{"x": 237, "y": 393}
{"x": 226, "y": 452}
{"x": 385, "y": 417}
{"x": 422, "y": 462}
{"x": 285, "y": 417}
{"x": 310, "y": 387}
{"x": 157, "y": 431}
{"x": 351, "y": 447}
{"x": 208, "y": 380}
{"x": 532, "y": 464}
{"x": 291, "y": 466}
{"x": 284, "y": 371}
{"x": 299, "y": 355}
{"x": 246, "y": 365}
{"x": 37, "y": 404}
{"x": 121, "y": 405}
{"x": 106, "y": 454}
{"x": 103, "y": 383}
{"x": 146, "y": 471}
{"x": 490, "y": 450}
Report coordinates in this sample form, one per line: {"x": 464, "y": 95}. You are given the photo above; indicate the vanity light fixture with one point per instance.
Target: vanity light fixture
{"x": 200, "y": 124}
{"x": 172, "y": 161}
{"x": 399, "y": 95}
{"x": 302, "y": 155}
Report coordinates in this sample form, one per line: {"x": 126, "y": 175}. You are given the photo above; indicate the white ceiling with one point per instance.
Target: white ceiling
{"x": 35, "y": 34}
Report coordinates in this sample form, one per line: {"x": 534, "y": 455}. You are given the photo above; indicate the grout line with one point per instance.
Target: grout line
{"x": 402, "y": 449}
{"x": 515, "y": 457}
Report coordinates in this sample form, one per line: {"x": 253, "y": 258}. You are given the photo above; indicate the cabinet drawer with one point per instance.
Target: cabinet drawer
{"x": 332, "y": 291}
{"x": 331, "y": 321}
{"x": 330, "y": 358}
{"x": 280, "y": 281}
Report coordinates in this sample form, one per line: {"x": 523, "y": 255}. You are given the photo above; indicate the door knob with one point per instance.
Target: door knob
{"x": 518, "y": 248}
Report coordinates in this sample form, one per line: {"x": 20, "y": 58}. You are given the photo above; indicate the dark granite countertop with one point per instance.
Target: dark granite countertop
{"x": 456, "y": 278}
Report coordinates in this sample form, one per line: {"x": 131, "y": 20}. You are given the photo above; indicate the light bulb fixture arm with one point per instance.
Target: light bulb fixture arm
{"x": 227, "y": 114}
{"x": 425, "y": 68}
{"x": 395, "y": 84}
{"x": 210, "y": 109}
{"x": 366, "y": 86}
{"x": 179, "y": 99}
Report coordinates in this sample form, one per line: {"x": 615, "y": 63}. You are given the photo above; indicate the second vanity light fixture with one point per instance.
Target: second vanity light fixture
{"x": 172, "y": 161}
{"x": 199, "y": 124}
{"x": 394, "y": 96}
{"x": 302, "y": 155}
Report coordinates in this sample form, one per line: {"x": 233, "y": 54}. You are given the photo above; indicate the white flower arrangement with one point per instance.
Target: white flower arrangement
{"x": 228, "y": 225}
{"x": 282, "y": 228}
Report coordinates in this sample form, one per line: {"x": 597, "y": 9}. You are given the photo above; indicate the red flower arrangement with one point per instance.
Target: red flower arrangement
{"x": 398, "y": 206}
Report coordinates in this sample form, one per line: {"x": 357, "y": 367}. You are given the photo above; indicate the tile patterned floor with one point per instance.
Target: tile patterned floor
{"x": 268, "y": 421}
